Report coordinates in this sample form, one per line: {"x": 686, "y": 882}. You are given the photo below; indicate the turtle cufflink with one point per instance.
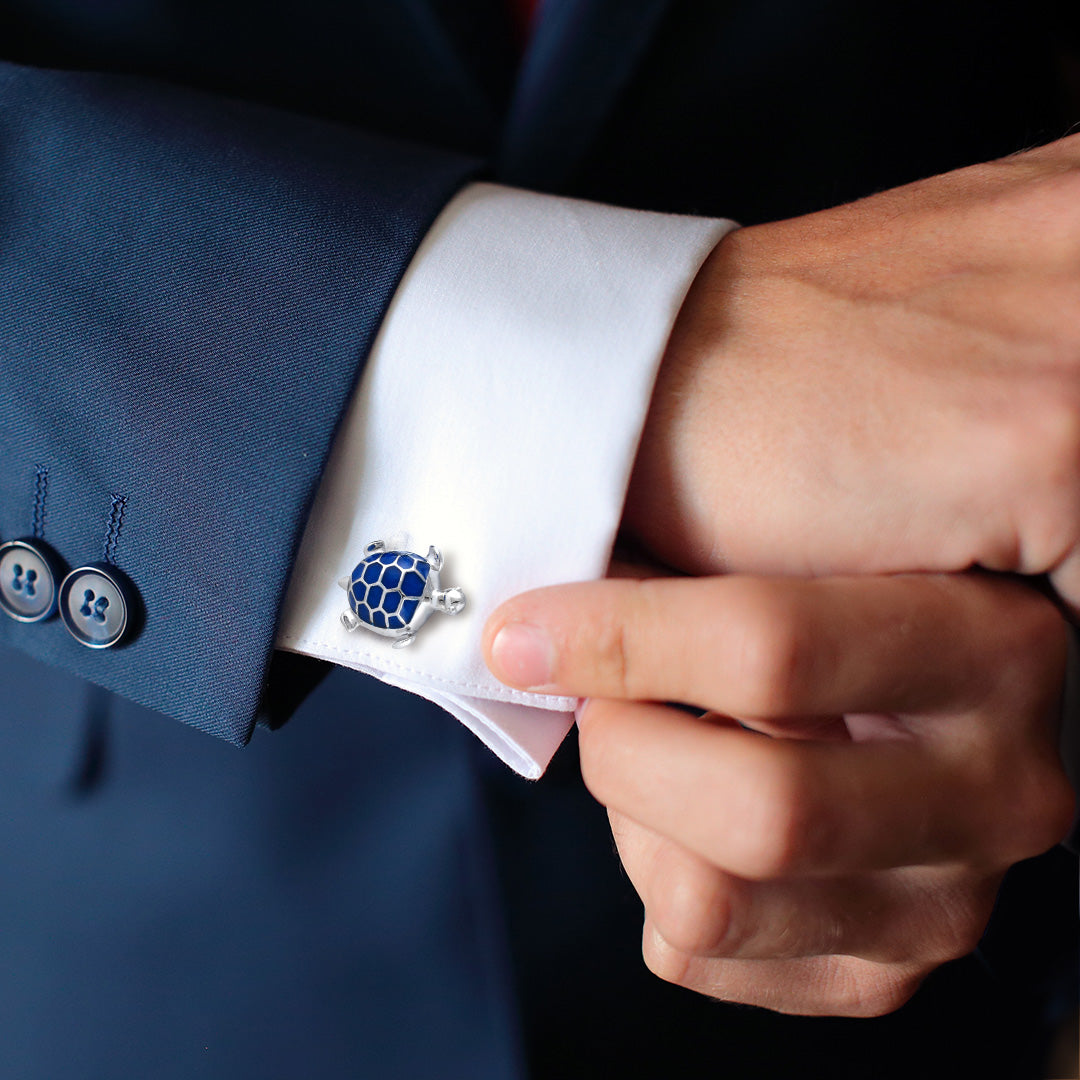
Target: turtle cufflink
{"x": 393, "y": 593}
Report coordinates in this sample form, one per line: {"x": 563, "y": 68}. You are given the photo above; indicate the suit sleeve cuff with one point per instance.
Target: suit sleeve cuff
{"x": 498, "y": 418}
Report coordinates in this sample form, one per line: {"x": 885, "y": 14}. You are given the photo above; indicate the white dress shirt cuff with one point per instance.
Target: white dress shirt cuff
{"x": 497, "y": 418}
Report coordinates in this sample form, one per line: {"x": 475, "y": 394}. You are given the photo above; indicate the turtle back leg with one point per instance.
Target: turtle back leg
{"x": 404, "y": 638}
{"x": 349, "y": 621}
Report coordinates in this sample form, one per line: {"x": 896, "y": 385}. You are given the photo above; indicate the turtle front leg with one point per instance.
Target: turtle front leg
{"x": 434, "y": 557}
{"x": 377, "y": 545}
{"x": 404, "y": 638}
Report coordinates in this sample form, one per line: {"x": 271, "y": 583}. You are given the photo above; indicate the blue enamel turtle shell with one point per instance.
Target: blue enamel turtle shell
{"x": 386, "y": 588}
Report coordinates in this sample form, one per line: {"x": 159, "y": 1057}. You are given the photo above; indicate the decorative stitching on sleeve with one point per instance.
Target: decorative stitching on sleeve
{"x": 41, "y": 493}
{"x": 114, "y": 525}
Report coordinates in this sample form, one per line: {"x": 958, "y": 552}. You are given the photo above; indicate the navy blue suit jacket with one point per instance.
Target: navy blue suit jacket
{"x": 205, "y": 207}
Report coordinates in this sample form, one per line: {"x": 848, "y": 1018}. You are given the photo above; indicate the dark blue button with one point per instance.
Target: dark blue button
{"x": 29, "y": 572}
{"x": 96, "y": 604}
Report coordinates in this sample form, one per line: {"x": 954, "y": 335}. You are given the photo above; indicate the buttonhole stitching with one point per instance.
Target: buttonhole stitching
{"x": 41, "y": 492}
{"x": 114, "y": 525}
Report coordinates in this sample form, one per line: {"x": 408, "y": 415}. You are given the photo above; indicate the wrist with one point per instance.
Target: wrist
{"x": 666, "y": 507}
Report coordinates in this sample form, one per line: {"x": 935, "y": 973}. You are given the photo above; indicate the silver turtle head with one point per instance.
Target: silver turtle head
{"x": 449, "y": 601}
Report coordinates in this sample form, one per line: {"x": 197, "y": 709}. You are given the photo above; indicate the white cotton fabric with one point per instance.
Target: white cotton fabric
{"x": 497, "y": 418}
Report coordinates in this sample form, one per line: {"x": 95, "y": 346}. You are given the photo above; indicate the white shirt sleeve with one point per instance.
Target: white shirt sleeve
{"x": 497, "y": 418}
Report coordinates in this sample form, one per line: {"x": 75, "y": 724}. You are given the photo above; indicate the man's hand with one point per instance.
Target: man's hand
{"x": 892, "y": 385}
{"x": 829, "y": 868}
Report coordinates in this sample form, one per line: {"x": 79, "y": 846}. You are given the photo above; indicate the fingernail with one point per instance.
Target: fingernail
{"x": 523, "y": 655}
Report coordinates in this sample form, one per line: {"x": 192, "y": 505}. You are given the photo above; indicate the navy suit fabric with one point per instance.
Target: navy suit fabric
{"x": 205, "y": 206}
{"x": 320, "y": 905}
{"x": 189, "y": 289}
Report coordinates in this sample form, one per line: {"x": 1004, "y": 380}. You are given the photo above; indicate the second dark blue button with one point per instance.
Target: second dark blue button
{"x": 96, "y": 604}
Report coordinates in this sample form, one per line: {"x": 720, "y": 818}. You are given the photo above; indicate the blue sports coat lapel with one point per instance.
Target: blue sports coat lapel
{"x": 581, "y": 56}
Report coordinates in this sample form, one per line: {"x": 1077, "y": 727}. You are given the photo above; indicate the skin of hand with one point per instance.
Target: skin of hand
{"x": 894, "y": 754}
{"x": 888, "y": 386}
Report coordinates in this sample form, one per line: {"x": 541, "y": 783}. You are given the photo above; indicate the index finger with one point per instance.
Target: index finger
{"x": 763, "y": 808}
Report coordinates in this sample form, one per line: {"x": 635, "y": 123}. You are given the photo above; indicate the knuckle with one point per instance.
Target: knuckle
{"x": 1037, "y": 806}
{"x": 776, "y": 655}
{"x": 1061, "y": 814}
{"x": 664, "y": 961}
{"x": 783, "y": 831}
{"x": 622, "y": 640}
{"x": 692, "y": 912}
{"x": 958, "y": 923}
{"x": 610, "y": 654}
{"x": 1038, "y": 802}
{"x": 963, "y": 937}
{"x": 1047, "y": 809}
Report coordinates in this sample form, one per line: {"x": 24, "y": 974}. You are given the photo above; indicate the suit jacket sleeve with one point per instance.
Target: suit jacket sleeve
{"x": 188, "y": 290}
